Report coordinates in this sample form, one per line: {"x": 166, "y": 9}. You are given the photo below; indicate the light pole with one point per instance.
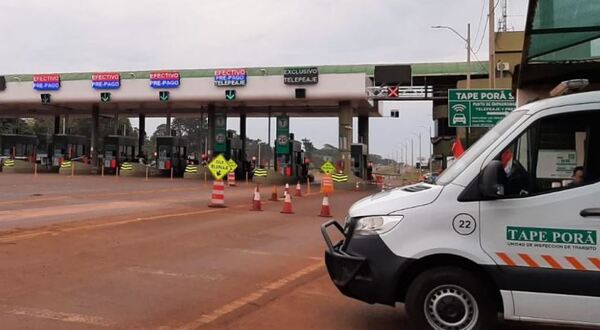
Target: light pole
{"x": 430, "y": 144}
{"x": 469, "y": 50}
{"x": 420, "y": 155}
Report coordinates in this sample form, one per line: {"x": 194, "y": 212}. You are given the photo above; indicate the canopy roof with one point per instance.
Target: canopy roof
{"x": 563, "y": 30}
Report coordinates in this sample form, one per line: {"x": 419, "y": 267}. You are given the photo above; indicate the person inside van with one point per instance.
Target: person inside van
{"x": 578, "y": 177}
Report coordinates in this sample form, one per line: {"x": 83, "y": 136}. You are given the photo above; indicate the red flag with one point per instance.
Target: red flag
{"x": 457, "y": 148}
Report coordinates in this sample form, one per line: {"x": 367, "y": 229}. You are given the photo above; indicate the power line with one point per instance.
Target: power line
{"x": 480, "y": 18}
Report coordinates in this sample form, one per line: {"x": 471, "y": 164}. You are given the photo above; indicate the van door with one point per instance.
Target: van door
{"x": 544, "y": 232}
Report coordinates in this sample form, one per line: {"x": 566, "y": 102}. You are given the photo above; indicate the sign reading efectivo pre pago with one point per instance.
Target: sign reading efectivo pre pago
{"x": 165, "y": 79}
{"x": 478, "y": 107}
{"x": 109, "y": 80}
{"x": 230, "y": 77}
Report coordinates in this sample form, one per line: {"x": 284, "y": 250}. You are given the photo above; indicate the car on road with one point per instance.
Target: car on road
{"x": 503, "y": 230}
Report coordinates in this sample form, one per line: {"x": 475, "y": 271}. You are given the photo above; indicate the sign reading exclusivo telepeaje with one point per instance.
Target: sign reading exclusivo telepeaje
{"x": 164, "y": 79}
{"x": 301, "y": 76}
{"x": 46, "y": 82}
{"x": 108, "y": 80}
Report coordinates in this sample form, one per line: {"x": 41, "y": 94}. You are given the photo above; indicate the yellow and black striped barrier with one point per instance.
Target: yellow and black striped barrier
{"x": 260, "y": 173}
{"x": 126, "y": 167}
{"x": 192, "y": 169}
{"x": 66, "y": 164}
{"x": 339, "y": 177}
{"x": 9, "y": 163}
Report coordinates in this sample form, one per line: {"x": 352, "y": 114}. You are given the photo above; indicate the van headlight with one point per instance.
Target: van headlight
{"x": 377, "y": 224}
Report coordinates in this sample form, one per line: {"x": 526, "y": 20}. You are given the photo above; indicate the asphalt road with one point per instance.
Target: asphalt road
{"x": 91, "y": 252}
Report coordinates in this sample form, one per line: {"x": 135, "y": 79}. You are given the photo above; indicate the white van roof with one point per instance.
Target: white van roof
{"x": 559, "y": 101}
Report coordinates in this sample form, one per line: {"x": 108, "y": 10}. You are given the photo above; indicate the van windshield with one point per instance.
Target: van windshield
{"x": 476, "y": 149}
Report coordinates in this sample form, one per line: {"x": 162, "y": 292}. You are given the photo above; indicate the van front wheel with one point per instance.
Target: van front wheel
{"x": 450, "y": 298}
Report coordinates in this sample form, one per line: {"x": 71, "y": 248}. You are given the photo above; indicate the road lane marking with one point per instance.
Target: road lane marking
{"x": 160, "y": 272}
{"x": 60, "y": 316}
{"x": 270, "y": 254}
{"x": 250, "y": 298}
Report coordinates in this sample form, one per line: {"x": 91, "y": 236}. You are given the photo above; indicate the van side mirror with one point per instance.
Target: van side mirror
{"x": 492, "y": 180}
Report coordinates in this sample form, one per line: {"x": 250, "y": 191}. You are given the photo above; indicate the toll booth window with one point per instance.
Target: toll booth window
{"x": 163, "y": 152}
{"x": 553, "y": 153}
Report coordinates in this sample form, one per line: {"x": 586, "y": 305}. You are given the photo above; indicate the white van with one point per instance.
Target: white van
{"x": 506, "y": 229}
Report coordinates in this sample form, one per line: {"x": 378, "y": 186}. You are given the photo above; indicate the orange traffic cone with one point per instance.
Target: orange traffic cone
{"x": 325, "y": 210}
{"x": 298, "y": 190}
{"x": 256, "y": 204}
{"x": 286, "y": 190}
{"x": 274, "y": 197}
{"x": 218, "y": 194}
{"x": 356, "y": 186}
{"x": 287, "y": 205}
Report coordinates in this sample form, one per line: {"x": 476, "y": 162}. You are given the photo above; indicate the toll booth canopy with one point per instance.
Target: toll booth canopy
{"x": 118, "y": 149}
{"x": 172, "y": 153}
{"x": 18, "y": 146}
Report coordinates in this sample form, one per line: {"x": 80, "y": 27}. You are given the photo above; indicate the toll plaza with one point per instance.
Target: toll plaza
{"x": 283, "y": 93}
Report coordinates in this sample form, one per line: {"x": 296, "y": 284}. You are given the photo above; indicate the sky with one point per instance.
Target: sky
{"x": 90, "y": 35}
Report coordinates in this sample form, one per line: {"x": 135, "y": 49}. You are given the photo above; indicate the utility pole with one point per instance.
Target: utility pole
{"x": 468, "y": 55}
{"x": 420, "y": 158}
{"x": 492, "y": 40}
{"x": 412, "y": 153}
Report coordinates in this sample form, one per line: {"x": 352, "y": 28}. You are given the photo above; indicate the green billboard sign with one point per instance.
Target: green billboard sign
{"x": 478, "y": 107}
{"x": 282, "y": 145}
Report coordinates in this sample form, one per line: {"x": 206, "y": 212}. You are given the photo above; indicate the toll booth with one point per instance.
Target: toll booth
{"x": 68, "y": 147}
{"x": 292, "y": 163}
{"x": 44, "y": 150}
{"x": 234, "y": 147}
{"x": 117, "y": 150}
{"x": 16, "y": 146}
{"x": 359, "y": 155}
{"x": 171, "y": 153}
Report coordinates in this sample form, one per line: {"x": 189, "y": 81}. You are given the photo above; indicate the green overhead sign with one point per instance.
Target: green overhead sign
{"x": 478, "y": 107}
{"x": 230, "y": 94}
{"x": 164, "y": 96}
{"x": 105, "y": 97}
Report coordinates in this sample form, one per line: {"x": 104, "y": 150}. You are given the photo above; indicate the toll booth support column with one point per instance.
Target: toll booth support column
{"x": 363, "y": 137}
{"x": 56, "y": 124}
{"x": 116, "y": 124}
{"x": 243, "y": 140}
{"x": 168, "y": 124}
{"x": 211, "y": 129}
{"x": 345, "y": 133}
{"x": 141, "y": 134}
{"x": 94, "y": 137}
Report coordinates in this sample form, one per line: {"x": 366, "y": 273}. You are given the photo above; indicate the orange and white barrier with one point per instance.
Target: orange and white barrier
{"x": 549, "y": 261}
{"x": 218, "y": 194}
{"x": 231, "y": 179}
{"x": 298, "y": 190}
{"x": 327, "y": 185}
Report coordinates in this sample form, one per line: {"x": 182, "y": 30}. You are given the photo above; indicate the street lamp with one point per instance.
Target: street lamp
{"x": 430, "y": 144}
{"x": 420, "y": 155}
{"x": 469, "y": 50}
